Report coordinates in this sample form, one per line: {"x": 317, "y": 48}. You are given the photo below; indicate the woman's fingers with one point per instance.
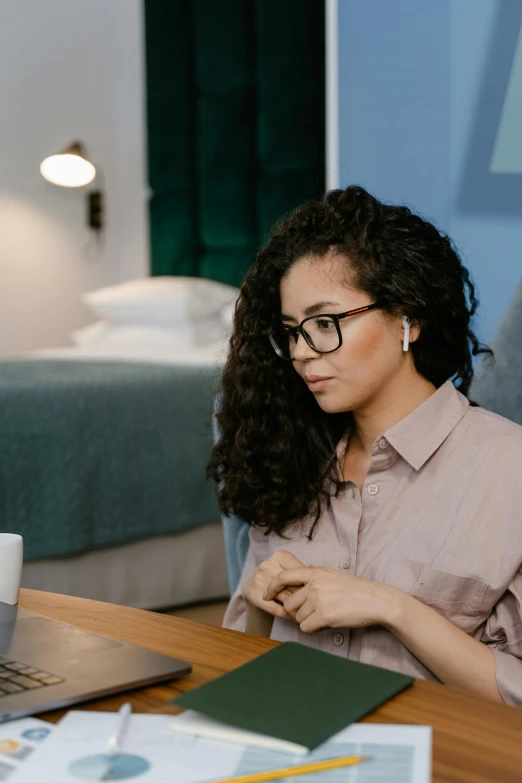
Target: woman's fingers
{"x": 283, "y": 596}
{"x": 290, "y": 576}
{"x": 303, "y": 613}
{"x": 310, "y": 624}
{"x": 286, "y": 593}
{"x": 295, "y": 602}
{"x": 275, "y": 609}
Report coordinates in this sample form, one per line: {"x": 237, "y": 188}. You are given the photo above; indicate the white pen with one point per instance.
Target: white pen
{"x": 115, "y": 741}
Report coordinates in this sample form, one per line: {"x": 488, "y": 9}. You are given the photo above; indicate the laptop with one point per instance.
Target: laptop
{"x": 46, "y": 665}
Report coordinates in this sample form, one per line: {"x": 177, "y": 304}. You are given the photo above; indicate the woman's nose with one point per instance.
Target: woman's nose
{"x": 302, "y": 350}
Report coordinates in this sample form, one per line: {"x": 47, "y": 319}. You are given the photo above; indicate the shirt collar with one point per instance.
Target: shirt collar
{"x": 419, "y": 435}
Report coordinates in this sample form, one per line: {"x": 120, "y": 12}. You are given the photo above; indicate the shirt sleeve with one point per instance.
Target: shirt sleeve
{"x": 503, "y": 633}
{"x": 235, "y": 616}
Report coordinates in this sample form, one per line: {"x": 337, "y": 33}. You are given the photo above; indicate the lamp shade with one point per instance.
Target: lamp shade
{"x": 69, "y": 168}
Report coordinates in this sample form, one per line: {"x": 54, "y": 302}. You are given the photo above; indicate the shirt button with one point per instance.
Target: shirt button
{"x": 373, "y": 489}
{"x": 347, "y": 563}
{"x": 338, "y": 639}
{"x": 383, "y": 443}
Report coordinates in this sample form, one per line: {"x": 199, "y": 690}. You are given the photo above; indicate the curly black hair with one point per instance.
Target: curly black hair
{"x": 276, "y": 458}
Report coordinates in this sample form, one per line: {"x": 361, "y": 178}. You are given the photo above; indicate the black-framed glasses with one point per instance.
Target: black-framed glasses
{"x": 322, "y": 332}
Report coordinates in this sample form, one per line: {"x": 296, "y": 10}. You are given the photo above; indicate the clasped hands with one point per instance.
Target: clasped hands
{"x": 318, "y": 597}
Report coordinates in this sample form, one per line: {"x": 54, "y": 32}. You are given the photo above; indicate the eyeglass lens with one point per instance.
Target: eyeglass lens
{"x": 321, "y": 332}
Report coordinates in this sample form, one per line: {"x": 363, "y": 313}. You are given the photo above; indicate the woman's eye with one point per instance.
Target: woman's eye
{"x": 325, "y": 324}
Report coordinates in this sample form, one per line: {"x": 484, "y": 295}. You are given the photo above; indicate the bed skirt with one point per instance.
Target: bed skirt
{"x": 154, "y": 573}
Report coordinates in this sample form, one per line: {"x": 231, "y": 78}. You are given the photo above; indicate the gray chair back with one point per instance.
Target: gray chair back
{"x": 235, "y": 530}
{"x": 499, "y": 388}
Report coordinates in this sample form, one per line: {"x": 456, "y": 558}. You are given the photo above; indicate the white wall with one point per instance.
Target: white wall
{"x": 69, "y": 69}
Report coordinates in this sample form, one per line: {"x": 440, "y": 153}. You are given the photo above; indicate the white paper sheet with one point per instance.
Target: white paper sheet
{"x": 155, "y": 754}
{"x": 19, "y": 739}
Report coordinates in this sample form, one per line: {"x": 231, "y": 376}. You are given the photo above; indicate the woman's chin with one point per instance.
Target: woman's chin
{"x": 331, "y": 404}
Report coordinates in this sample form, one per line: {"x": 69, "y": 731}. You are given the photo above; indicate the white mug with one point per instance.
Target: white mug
{"x": 11, "y": 559}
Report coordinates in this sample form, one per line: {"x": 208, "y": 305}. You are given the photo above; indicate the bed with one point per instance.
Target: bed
{"x": 102, "y": 471}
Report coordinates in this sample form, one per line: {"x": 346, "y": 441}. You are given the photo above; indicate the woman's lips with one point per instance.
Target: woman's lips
{"x": 318, "y": 385}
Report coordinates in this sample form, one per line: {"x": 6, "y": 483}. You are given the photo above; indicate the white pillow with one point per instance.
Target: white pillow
{"x": 227, "y": 314}
{"x": 207, "y": 331}
{"x": 90, "y": 334}
{"x": 163, "y": 300}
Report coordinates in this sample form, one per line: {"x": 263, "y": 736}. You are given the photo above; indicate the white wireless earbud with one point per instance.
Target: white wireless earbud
{"x": 406, "y": 325}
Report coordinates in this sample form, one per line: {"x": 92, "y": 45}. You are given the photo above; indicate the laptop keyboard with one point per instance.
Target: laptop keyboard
{"x": 16, "y": 677}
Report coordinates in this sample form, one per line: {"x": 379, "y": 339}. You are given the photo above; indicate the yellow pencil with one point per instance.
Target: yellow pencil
{"x": 300, "y": 769}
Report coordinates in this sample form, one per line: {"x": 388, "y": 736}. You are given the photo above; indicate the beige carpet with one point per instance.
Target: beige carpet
{"x": 210, "y": 613}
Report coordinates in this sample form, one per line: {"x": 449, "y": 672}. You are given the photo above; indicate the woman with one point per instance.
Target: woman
{"x": 384, "y": 506}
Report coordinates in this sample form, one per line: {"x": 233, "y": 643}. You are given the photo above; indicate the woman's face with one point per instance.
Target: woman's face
{"x": 371, "y": 354}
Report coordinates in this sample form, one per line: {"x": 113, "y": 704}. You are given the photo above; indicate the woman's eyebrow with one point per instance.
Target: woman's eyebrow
{"x": 312, "y": 309}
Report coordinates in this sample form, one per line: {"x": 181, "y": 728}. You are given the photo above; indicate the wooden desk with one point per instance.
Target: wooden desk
{"x": 474, "y": 740}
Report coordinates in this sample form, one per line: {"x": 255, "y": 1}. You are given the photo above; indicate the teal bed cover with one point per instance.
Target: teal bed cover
{"x": 95, "y": 454}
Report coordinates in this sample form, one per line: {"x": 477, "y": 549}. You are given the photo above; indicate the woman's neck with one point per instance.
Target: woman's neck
{"x": 386, "y": 409}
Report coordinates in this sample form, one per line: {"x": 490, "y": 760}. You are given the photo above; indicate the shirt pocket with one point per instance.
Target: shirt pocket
{"x": 458, "y": 598}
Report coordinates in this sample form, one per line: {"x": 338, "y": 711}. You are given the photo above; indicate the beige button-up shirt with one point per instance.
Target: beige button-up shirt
{"x": 440, "y": 516}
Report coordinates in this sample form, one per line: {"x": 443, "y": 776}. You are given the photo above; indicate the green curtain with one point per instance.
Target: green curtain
{"x": 235, "y": 115}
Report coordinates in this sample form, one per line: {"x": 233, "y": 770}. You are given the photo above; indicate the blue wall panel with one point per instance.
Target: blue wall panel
{"x": 421, "y": 89}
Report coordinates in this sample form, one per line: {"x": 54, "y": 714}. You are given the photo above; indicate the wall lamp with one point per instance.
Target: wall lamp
{"x": 71, "y": 168}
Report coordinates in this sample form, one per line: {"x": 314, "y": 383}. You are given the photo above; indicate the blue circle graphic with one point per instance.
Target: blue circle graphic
{"x": 102, "y": 767}
{"x": 36, "y": 734}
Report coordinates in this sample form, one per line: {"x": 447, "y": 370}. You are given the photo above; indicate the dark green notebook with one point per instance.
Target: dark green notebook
{"x": 295, "y": 693}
